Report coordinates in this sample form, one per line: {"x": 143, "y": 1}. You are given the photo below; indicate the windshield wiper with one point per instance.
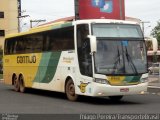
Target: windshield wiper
{"x": 129, "y": 59}
{"x": 118, "y": 60}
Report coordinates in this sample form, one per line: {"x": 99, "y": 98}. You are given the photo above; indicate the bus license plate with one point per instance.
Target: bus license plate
{"x": 124, "y": 90}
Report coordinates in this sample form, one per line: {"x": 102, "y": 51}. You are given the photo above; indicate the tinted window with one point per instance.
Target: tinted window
{"x": 55, "y": 40}
{"x": 58, "y": 40}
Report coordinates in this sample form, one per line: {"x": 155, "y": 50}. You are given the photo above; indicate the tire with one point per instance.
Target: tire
{"x": 70, "y": 90}
{"x": 115, "y": 98}
{"x": 22, "y": 87}
{"x": 16, "y": 83}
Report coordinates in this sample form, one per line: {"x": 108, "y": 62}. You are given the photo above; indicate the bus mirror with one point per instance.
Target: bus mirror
{"x": 93, "y": 43}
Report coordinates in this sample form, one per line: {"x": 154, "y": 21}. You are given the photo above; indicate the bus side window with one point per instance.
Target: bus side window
{"x": 58, "y": 40}
{"x": 10, "y": 44}
{"x": 49, "y": 41}
{"x": 46, "y": 43}
{"x": 19, "y": 46}
{"x": 13, "y": 47}
{"x": 37, "y": 47}
{"x": 7, "y": 47}
{"x": 28, "y": 45}
{"x": 51, "y": 46}
{"x": 68, "y": 44}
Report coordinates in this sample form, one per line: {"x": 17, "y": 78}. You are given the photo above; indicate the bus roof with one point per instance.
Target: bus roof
{"x": 62, "y": 24}
{"x": 38, "y": 29}
{"x": 105, "y": 21}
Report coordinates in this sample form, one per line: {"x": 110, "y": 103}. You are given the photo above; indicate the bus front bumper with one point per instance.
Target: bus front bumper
{"x": 108, "y": 90}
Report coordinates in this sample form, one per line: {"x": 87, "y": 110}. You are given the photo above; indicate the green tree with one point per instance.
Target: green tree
{"x": 156, "y": 32}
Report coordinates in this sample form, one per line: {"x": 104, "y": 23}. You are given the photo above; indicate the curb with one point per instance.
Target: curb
{"x": 154, "y": 87}
{"x": 154, "y": 90}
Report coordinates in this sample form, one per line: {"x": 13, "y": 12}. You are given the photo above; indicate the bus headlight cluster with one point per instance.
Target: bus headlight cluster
{"x": 101, "y": 81}
{"x": 143, "y": 80}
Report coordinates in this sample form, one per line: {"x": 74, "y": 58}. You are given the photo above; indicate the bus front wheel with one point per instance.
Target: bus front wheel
{"x": 16, "y": 83}
{"x": 21, "y": 84}
{"x": 70, "y": 90}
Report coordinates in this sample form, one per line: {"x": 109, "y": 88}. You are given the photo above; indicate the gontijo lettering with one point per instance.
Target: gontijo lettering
{"x": 26, "y": 59}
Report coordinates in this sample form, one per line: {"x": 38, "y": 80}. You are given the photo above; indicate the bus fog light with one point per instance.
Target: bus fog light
{"x": 142, "y": 92}
{"x": 100, "y": 93}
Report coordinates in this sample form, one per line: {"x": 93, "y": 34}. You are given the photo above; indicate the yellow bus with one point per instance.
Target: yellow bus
{"x": 85, "y": 57}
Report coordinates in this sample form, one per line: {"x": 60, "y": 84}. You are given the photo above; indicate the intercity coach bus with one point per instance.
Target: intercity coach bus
{"x": 85, "y": 57}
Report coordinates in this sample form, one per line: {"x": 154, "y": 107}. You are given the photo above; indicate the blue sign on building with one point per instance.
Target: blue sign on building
{"x": 104, "y": 5}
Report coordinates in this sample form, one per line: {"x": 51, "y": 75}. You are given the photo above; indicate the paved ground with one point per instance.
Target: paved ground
{"x": 154, "y": 81}
{"x": 44, "y": 105}
{"x": 154, "y": 84}
{"x": 45, "y": 102}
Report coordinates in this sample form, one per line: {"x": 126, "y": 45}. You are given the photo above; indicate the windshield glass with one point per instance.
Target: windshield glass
{"x": 117, "y": 30}
{"x": 120, "y": 57}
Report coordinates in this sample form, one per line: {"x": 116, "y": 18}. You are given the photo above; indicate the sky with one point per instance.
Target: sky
{"x": 49, "y": 10}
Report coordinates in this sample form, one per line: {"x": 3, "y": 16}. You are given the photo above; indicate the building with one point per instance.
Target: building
{"x": 8, "y": 18}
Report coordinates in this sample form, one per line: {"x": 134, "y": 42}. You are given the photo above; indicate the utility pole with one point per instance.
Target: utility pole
{"x": 19, "y": 24}
{"x": 76, "y": 7}
{"x": 143, "y": 26}
{"x": 37, "y": 21}
{"x": 19, "y": 13}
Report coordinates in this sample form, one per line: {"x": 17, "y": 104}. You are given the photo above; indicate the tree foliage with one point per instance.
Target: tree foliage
{"x": 156, "y": 32}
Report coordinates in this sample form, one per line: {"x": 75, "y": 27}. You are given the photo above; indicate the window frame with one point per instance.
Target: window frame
{"x": 2, "y": 33}
{"x": 11, "y": 44}
{"x": 1, "y": 14}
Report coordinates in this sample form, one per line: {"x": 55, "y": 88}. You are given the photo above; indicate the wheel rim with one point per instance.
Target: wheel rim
{"x": 15, "y": 83}
{"x": 21, "y": 84}
{"x": 71, "y": 90}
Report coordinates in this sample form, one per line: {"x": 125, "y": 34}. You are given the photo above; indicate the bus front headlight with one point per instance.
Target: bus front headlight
{"x": 101, "y": 81}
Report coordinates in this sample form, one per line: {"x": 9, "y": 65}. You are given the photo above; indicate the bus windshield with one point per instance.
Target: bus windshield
{"x": 120, "y": 57}
{"x": 120, "y": 50}
{"x": 117, "y": 30}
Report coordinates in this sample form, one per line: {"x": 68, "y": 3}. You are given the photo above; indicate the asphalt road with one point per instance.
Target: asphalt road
{"x": 45, "y": 102}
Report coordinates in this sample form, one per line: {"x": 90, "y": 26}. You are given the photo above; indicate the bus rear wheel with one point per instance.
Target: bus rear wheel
{"x": 21, "y": 84}
{"x": 70, "y": 90}
{"x": 116, "y": 98}
{"x": 16, "y": 83}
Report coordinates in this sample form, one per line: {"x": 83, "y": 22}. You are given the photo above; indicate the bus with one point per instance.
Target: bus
{"x": 94, "y": 57}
